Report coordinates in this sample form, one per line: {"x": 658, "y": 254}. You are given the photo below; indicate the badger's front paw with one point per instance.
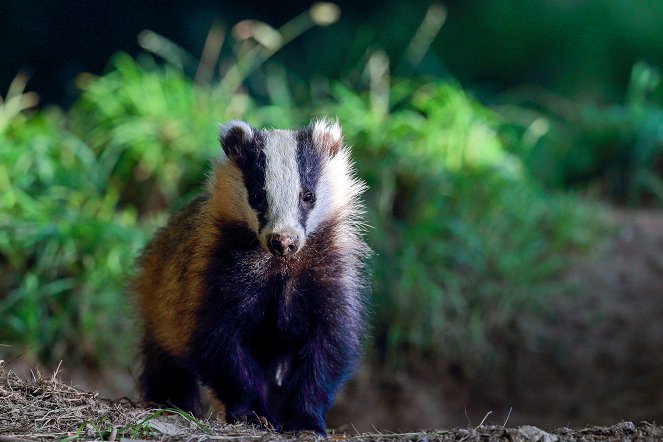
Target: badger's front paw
{"x": 305, "y": 423}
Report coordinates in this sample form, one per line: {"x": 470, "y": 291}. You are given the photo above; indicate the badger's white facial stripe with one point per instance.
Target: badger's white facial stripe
{"x": 282, "y": 182}
{"x": 337, "y": 190}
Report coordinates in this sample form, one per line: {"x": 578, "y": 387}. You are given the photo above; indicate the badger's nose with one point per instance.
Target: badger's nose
{"x": 283, "y": 244}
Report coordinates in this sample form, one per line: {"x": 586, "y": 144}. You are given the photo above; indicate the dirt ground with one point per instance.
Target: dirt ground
{"x": 599, "y": 357}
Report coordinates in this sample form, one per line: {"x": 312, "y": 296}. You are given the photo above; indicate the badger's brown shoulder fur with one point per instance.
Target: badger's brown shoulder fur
{"x": 169, "y": 284}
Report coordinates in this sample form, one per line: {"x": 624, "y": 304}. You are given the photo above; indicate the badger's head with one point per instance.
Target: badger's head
{"x": 284, "y": 185}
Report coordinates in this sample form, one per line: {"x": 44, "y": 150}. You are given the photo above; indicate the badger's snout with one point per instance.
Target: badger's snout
{"x": 283, "y": 244}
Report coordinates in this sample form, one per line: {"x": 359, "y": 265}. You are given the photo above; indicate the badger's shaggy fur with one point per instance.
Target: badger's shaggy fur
{"x": 256, "y": 288}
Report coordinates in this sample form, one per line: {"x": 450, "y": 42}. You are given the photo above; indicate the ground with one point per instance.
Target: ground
{"x": 44, "y": 408}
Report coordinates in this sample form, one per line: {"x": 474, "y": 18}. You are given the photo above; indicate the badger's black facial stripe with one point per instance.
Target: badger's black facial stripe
{"x": 309, "y": 161}
{"x": 251, "y": 161}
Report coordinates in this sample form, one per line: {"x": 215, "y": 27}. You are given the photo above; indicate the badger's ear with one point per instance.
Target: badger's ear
{"x": 327, "y": 135}
{"x": 233, "y": 135}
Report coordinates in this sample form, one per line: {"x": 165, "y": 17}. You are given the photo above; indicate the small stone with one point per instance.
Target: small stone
{"x": 531, "y": 433}
{"x": 626, "y": 427}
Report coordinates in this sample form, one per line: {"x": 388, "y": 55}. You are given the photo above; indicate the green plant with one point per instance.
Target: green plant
{"x": 466, "y": 243}
{"x": 65, "y": 246}
{"x": 612, "y": 151}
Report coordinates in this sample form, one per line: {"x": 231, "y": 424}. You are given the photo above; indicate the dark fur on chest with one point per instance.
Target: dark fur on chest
{"x": 273, "y": 312}
{"x": 260, "y": 293}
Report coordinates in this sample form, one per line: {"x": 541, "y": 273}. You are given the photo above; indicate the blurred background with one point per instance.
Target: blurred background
{"x": 514, "y": 152}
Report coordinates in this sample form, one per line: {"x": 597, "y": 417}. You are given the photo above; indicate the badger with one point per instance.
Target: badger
{"x": 256, "y": 289}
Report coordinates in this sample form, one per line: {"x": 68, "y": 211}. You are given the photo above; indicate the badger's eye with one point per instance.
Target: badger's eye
{"x": 308, "y": 197}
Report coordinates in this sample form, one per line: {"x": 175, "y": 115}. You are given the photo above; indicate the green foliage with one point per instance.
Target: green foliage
{"x": 614, "y": 151}
{"x": 466, "y": 243}
{"x": 152, "y": 128}
{"x": 65, "y": 246}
